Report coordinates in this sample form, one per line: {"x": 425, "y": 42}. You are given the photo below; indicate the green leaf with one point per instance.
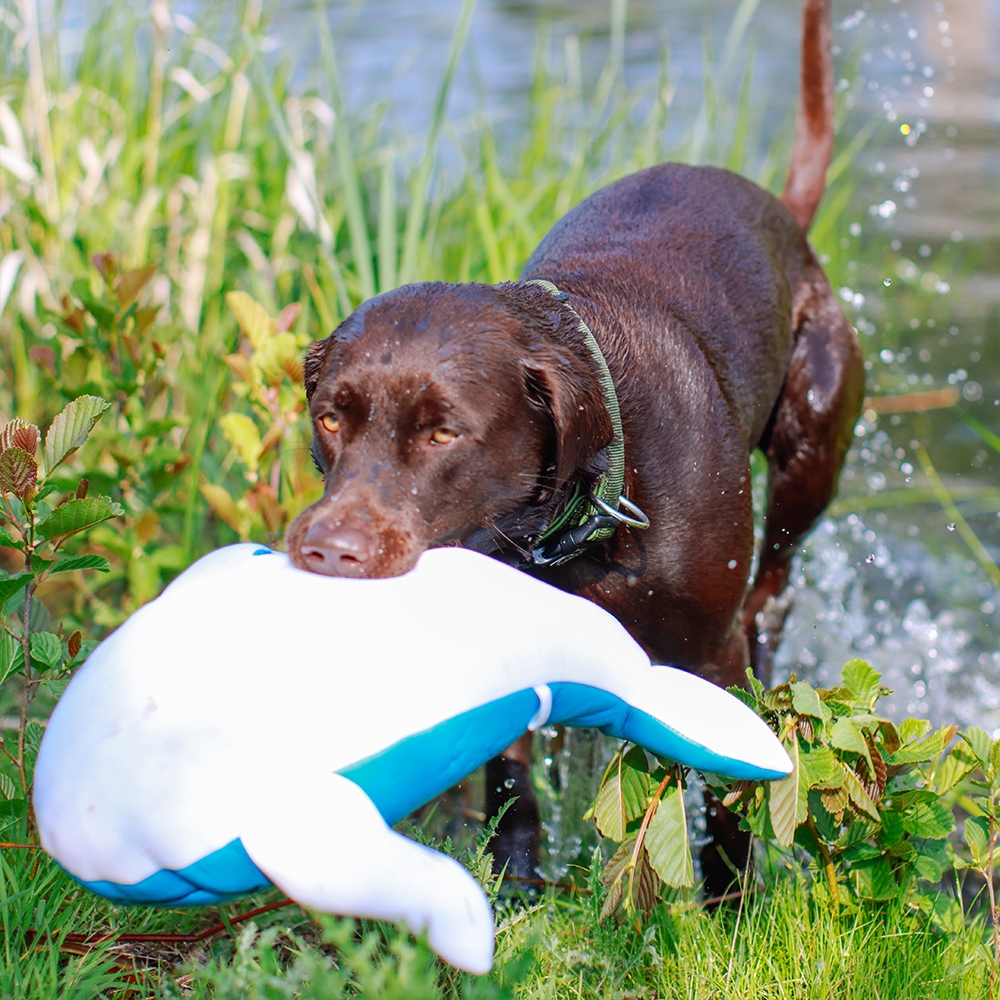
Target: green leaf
{"x": 862, "y": 851}
{"x": 819, "y": 767}
{"x": 7, "y": 540}
{"x": 745, "y": 696}
{"x": 916, "y": 753}
{"x": 13, "y": 585}
{"x": 68, "y": 563}
{"x": 252, "y": 317}
{"x": 977, "y": 836}
{"x": 783, "y": 800}
{"x": 893, "y": 830}
{"x": 47, "y": 649}
{"x": 980, "y": 743}
{"x": 71, "y": 427}
{"x": 103, "y": 315}
{"x": 806, "y": 701}
{"x": 913, "y": 729}
{"x": 945, "y": 913}
{"x": 960, "y": 762}
{"x": 934, "y": 858}
{"x": 11, "y": 656}
{"x": 928, "y": 818}
{"x": 637, "y": 786}
{"x": 861, "y": 680}
{"x": 7, "y": 788}
{"x": 242, "y": 433}
{"x": 875, "y": 880}
{"x": 667, "y": 840}
{"x": 75, "y": 515}
{"x": 623, "y": 796}
{"x": 845, "y": 735}
{"x": 33, "y": 734}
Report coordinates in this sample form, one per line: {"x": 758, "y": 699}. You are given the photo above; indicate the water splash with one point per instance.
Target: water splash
{"x": 926, "y": 621}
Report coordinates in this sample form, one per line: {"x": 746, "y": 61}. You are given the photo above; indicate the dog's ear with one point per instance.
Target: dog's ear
{"x": 571, "y": 397}
{"x": 312, "y": 364}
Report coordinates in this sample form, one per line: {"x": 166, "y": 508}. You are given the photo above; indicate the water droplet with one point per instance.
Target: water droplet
{"x": 731, "y": 564}
{"x": 887, "y": 282}
{"x": 509, "y": 783}
{"x": 951, "y": 525}
{"x": 870, "y": 558}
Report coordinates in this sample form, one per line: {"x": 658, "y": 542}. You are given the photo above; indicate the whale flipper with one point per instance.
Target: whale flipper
{"x": 677, "y": 715}
{"x": 327, "y": 847}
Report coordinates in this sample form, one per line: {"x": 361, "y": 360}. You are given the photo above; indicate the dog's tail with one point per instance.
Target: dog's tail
{"x": 813, "y": 145}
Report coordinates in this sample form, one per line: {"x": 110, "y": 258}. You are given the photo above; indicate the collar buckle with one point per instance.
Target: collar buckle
{"x": 567, "y": 545}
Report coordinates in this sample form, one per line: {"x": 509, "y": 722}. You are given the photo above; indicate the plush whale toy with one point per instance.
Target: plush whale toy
{"x": 257, "y": 725}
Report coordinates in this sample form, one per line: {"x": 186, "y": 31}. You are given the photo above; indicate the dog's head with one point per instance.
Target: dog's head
{"x": 443, "y": 414}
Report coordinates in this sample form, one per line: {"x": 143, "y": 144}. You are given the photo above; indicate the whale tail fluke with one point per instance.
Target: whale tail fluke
{"x": 328, "y": 848}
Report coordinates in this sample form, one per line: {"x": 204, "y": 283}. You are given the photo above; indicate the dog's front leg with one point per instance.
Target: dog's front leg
{"x": 517, "y": 838}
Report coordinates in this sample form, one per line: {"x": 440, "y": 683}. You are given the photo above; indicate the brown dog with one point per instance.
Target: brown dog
{"x": 474, "y": 414}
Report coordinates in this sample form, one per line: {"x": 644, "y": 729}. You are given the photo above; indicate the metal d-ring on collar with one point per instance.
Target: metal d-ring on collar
{"x": 600, "y": 514}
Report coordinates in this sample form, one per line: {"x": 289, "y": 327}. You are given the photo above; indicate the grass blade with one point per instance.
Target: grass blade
{"x": 387, "y": 224}
{"x": 984, "y": 433}
{"x": 293, "y": 154}
{"x": 356, "y": 223}
{"x": 738, "y": 150}
{"x": 418, "y": 196}
{"x": 738, "y": 28}
{"x": 948, "y": 505}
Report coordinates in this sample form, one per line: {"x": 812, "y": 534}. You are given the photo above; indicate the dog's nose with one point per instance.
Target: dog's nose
{"x": 341, "y": 550}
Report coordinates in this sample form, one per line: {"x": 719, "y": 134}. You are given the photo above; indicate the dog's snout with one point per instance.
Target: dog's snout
{"x": 336, "y": 550}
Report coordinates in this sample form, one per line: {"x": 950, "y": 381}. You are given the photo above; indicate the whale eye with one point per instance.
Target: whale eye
{"x": 329, "y": 423}
{"x": 441, "y": 436}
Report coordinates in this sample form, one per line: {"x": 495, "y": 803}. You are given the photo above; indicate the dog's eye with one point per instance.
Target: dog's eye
{"x": 441, "y": 436}
{"x": 330, "y": 423}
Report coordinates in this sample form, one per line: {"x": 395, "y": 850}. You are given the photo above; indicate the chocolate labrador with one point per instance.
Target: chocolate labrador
{"x": 593, "y": 421}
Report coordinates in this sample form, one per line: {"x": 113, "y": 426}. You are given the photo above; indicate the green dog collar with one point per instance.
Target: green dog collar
{"x": 590, "y": 517}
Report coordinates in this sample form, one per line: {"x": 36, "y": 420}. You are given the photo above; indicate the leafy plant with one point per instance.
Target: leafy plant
{"x": 38, "y": 525}
{"x": 112, "y": 343}
{"x": 864, "y": 803}
{"x": 642, "y": 807}
{"x": 269, "y": 443}
{"x": 864, "y": 798}
{"x": 982, "y": 827}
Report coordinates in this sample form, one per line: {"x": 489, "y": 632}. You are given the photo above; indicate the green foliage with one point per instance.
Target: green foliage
{"x": 643, "y": 808}
{"x": 864, "y": 800}
{"x": 39, "y": 906}
{"x": 269, "y": 440}
{"x": 868, "y": 804}
{"x": 377, "y": 962}
{"x": 982, "y": 826}
{"x": 37, "y": 524}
